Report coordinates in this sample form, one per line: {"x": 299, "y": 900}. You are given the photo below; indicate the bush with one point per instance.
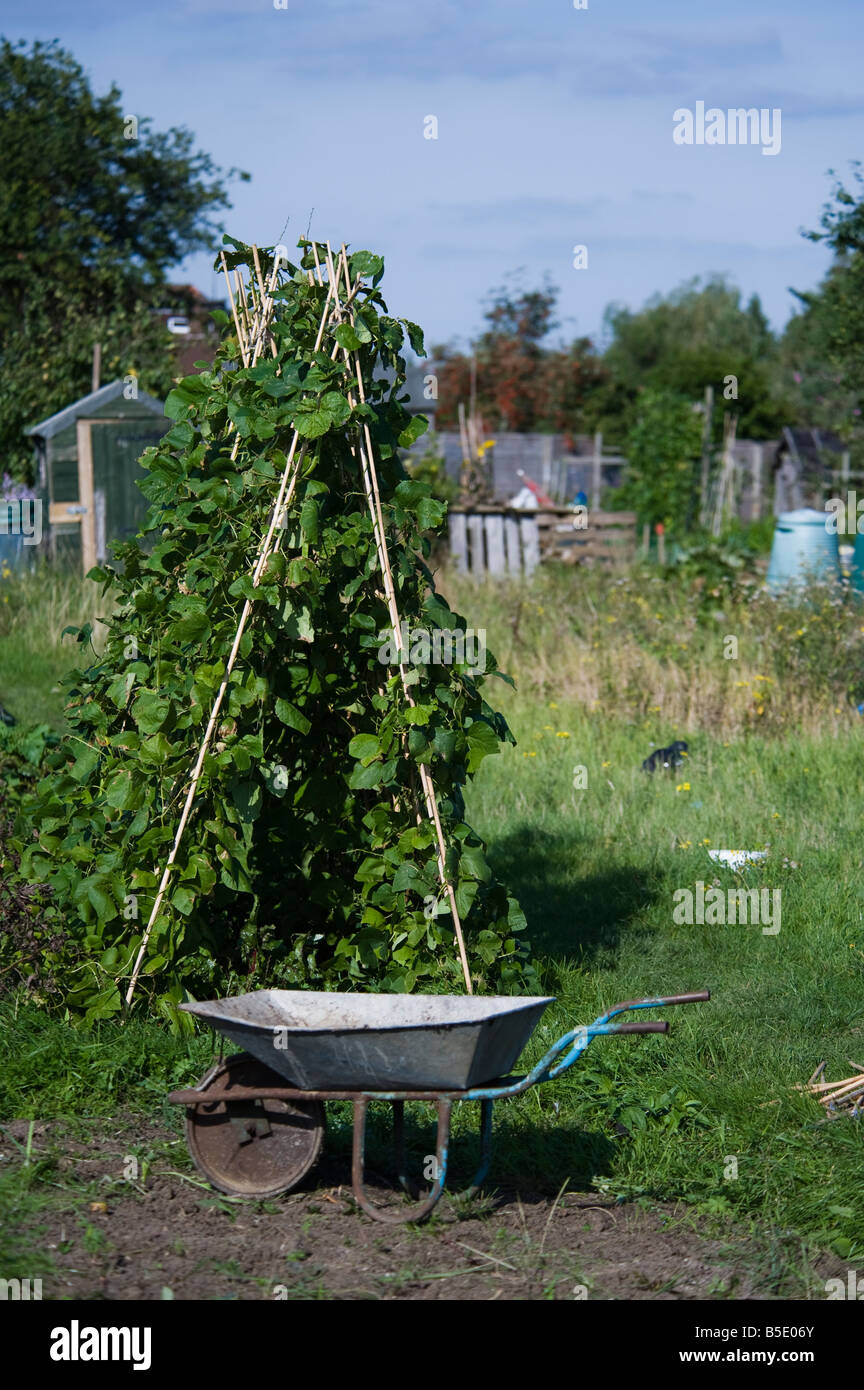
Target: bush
{"x": 662, "y": 449}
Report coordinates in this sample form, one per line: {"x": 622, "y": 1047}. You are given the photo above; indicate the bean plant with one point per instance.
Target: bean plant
{"x": 309, "y": 859}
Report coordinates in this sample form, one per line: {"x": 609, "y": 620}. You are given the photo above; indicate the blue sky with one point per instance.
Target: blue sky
{"x": 554, "y": 129}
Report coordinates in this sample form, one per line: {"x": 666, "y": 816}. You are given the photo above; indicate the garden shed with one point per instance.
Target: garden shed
{"x": 87, "y": 469}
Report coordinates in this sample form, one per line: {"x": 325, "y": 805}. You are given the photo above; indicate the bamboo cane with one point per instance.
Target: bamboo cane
{"x": 264, "y": 553}
{"x": 254, "y": 336}
{"x": 241, "y": 293}
{"x": 374, "y": 499}
{"x": 241, "y": 341}
{"x": 844, "y": 1089}
{"x": 370, "y": 480}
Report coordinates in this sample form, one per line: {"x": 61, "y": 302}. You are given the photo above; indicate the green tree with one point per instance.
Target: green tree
{"x": 822, "y": 353}
{"x": 94, "y": 208}
{"x": 521, "y": 382}
{"x": 698, "y": 336}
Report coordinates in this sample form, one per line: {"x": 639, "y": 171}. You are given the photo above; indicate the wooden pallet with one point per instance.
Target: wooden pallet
{"x": 602, "y": 537}
{"x": 498, "y": 540}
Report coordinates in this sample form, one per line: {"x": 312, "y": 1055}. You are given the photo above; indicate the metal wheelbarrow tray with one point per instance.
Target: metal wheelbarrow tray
{"x": 253, "y": 1135}
{"x": 323, "y": 1041}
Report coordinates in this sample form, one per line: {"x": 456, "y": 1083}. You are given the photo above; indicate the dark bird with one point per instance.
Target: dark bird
{"x": 6, "y": 717}
{"x": 666, "y": 757}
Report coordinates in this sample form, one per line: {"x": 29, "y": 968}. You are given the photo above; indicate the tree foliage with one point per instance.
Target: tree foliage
{"x": 309, "y": 859}
{"x": 823, "y": 347}
{"x": 662, "y": 449}
{"x": 521, "y": 383}
{"x": 700, "y": 335}
{"x": 94, "y": 207}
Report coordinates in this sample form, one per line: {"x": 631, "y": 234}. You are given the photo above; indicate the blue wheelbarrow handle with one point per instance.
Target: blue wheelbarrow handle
{"x": 579, "y": 1038}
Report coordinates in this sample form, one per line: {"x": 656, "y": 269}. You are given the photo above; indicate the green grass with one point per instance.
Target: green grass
{"x": 596, "y": 869}
{"x": 34, "y": 656}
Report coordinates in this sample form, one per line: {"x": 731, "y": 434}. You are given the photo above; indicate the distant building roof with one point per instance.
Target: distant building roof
{"x": 415, "y": 382}
{"x": 88, "y": 405}
{"x": 807, "y": 444}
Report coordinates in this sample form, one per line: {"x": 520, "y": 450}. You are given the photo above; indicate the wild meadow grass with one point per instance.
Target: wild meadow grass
{"x": 607, "y": 668}
{"x": 35, "y": 607}
{"x": 677, "y": 651}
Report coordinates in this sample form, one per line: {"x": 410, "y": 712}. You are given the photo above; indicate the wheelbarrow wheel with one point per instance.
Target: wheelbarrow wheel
{"x": 253, "y": 1148}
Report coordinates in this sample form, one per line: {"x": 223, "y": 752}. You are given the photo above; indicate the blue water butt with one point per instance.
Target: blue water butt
{"x": 803, "y": 549}
{"x": 12, "y": 553}
{"x": 857, "y": 575}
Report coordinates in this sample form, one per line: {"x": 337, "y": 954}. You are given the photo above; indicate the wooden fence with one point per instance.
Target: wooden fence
{"x": 499, "y": 540}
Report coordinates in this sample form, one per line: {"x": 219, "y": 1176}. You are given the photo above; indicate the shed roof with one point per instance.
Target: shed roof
{"x": 88, "y": 405}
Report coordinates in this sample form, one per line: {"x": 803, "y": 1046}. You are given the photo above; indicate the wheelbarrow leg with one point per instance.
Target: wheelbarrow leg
{"x": 399, "y": 1147}
{"x": 421, "y": 1211}
{"x": 485, "y": 1149}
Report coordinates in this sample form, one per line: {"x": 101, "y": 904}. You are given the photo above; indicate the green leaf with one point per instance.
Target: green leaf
{"x": 364, "y": 746}
{"x": 276, "y": 778}
{"x": 121, "y": 792}
{"x": 430, "y": 513}
{"x": 297, "y": 623}
{"x": 84, "y": 764}
{"x": 312, "y": 423}
{"x": 337, "y": 406}
{"x": 292, "y": 716}
{"x": 105, "y": 1004}
{"x": 473, "y": 861}
{"x": 482, "y": 740}
{"x": 367, "y": 264}
{"x": 248, "y": 799}
{"x": 309, "y": 520}
{"x": 415, "y": 337}
{"x": 155, "y": 749}
{"x": 104, "y": 904}
{"x": 373, "y": 775}
{"x": 417, "y": 426}
{"x": 417, "y": 714}
{"x": 150, "y": 711}
{"x": 192, "y": 627}
{"x": 184, "y": 900}
{"x": 347, "y": 337}
{"x": 465, "y": 893}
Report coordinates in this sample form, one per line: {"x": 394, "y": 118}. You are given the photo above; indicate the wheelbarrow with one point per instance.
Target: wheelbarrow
{"x": 255, "y": 1122}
